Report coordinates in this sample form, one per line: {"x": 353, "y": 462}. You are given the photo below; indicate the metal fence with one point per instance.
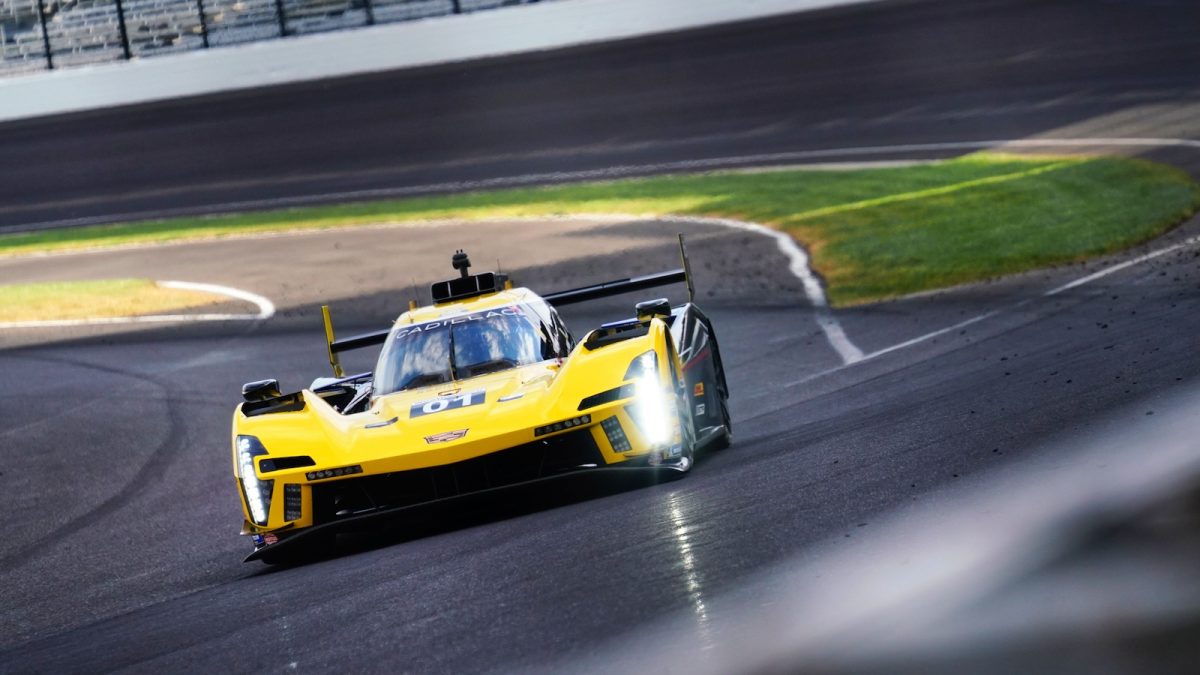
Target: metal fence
{"x": 38, "y": 35}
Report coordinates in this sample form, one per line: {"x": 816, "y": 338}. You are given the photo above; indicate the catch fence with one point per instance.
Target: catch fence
{"x": 37, "y": 35}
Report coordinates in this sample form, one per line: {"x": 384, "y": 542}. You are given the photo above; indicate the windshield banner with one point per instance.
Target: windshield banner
{"x": 454, "y": 321}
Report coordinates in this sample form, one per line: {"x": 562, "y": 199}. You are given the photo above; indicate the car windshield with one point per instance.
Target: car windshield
{"x": 458, "y": 347}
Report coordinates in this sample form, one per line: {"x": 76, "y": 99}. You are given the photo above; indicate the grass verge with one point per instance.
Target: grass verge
{"x": 874, "y": 233}
{"x": 94, "y": 300}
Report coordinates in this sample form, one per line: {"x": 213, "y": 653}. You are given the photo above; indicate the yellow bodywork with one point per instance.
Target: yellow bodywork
{"x": 516, "y": 402}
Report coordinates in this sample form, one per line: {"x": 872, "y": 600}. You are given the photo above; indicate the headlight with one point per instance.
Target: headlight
{"x": 257, "y": 492}
{"x": 651, "y": 408}
{"x": 645, "y": 365}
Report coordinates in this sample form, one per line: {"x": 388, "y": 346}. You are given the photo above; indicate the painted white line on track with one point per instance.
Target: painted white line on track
{"x": 799, "y": 259}
{"x": 896, "y": 347}
{"x": 798, "y": 265}
{"x": 1191, "y": 241}
{"x": 266, "y": 309}
{"x": 615, "y": 172}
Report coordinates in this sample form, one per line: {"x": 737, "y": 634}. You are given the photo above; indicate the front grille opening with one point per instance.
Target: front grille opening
{"x": 616, "y": 435}
{"x": 292, "y": 504}
{"x": 550, "y": 456}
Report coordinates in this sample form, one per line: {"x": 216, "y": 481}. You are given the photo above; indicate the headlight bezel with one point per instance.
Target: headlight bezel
{"x": 653, "y": 409}
{"x": 256, "y": 493}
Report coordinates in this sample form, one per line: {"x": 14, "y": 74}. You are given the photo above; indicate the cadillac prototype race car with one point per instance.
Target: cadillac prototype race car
{"x": 484, "y": 389}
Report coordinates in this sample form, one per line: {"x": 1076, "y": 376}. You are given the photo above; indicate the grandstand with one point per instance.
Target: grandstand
{"x": 79, "y": 32}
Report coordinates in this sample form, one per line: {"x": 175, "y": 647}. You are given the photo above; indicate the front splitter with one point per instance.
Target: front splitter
{"x": 619, "y": 478}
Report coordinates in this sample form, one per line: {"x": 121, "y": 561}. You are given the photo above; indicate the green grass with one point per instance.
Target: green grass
{"x": 874, "y": 233}
{"x": 94, "y": 299}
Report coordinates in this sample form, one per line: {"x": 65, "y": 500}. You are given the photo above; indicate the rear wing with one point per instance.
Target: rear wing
{"x": 584, "y": 294}
{"x": 609, "y": 288}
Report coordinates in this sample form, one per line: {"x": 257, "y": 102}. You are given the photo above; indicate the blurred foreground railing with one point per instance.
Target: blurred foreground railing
{"x": 37, "y": 35}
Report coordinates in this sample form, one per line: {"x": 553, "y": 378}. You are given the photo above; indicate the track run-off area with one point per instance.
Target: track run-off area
{"x": 120, "y": 549}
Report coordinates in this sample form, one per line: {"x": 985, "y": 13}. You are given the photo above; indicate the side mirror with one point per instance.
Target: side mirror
{"x": 260, "y": 390}
{"x": 651, "y": 308}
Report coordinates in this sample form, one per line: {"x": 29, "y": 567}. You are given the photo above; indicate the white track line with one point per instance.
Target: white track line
{"x": 799, "y": 259}
{"x": 798, "y": 265}
{"x": 266, "y": 309}
{"x": 623, "y": 171}
{"x": 1191, "y": 241}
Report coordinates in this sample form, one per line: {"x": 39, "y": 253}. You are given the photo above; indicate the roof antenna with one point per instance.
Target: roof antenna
{"x": 461, "y": 262}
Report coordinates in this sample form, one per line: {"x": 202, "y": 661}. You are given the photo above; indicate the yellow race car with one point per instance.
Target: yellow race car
{"x": 484, "y": 389}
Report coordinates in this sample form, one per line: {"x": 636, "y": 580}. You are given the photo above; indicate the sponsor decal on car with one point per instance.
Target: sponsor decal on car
{"x": 445, "y": 323}
{"x": 443, "y": 403}
{"x": 698, "y": 390}
{"x": 446, "y": 436}
{"x": 700, "y": 410}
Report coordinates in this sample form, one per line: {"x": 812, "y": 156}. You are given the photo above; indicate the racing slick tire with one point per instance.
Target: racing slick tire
{"x": 726, "y": 438}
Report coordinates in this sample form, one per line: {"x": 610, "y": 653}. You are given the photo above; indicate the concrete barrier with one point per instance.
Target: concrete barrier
{"x": 528, "y": 28}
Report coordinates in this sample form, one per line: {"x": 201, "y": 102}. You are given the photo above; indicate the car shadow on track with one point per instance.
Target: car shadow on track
{"x": 469, "y": 510}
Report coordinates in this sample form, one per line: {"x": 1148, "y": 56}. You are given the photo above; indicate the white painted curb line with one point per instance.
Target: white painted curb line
{"x": 266, "y": 309}
{"x": 632, "y": 170}
{"x": 799, "y": 266}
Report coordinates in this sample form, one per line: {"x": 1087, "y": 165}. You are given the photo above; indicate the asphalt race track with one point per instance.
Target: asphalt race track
{"x": 119, "y": 548}
{"x": 899, "y": 73}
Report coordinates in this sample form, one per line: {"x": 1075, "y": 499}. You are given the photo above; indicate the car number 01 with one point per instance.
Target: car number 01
{"x": 437, "y": 405}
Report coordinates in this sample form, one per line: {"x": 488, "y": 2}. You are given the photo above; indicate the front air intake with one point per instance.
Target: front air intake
{"x": 616, "y": 435}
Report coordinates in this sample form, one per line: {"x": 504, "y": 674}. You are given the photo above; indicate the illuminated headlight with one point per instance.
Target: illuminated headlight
{"x": 257, "y": 492}
{"x": 563, "y": 425}
{"x": 645, "y": 365}
{"x": 651, "y": 408}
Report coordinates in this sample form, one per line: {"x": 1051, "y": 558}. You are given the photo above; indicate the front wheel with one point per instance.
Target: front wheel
{"x": 725, "y": 439}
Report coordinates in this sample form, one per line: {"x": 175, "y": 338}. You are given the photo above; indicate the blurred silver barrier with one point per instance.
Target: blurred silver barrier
{"x": 1081, "y": 557}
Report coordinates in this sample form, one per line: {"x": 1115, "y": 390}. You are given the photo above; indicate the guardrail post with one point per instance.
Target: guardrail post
{"x": 124, "y": 34}
{"x": 282, "y": 18}
{"x": 203, "y": 22}
{"x": 457, "y": 7}
{"x": 45, "y": 35}
{"x": 370, "y": 7}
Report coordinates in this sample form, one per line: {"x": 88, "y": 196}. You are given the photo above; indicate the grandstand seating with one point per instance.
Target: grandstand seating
{"x": 89, "y": 31}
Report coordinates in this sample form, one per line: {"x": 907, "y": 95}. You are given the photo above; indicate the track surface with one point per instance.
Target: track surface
{"x": 119, "y": 548}
{"x": 903, "y": 72}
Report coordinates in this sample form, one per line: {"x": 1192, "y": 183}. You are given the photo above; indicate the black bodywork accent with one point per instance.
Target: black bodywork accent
{"x": 543, "y": 458}
{"x": 292, "y": 541}
{"x": 269, "y": 464}
{"x": 696, "y": 341}
{"x": 601, "y": 290}
{"x": 279, "y": 404}
{"x": 468, "y": 286}
{"x": 616, "y": 287}
{"x": 614, "y": 394}
{"x": 359, "y": 341}
{"x": 614, "y": 333}
{"x": 260, "y": 390}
